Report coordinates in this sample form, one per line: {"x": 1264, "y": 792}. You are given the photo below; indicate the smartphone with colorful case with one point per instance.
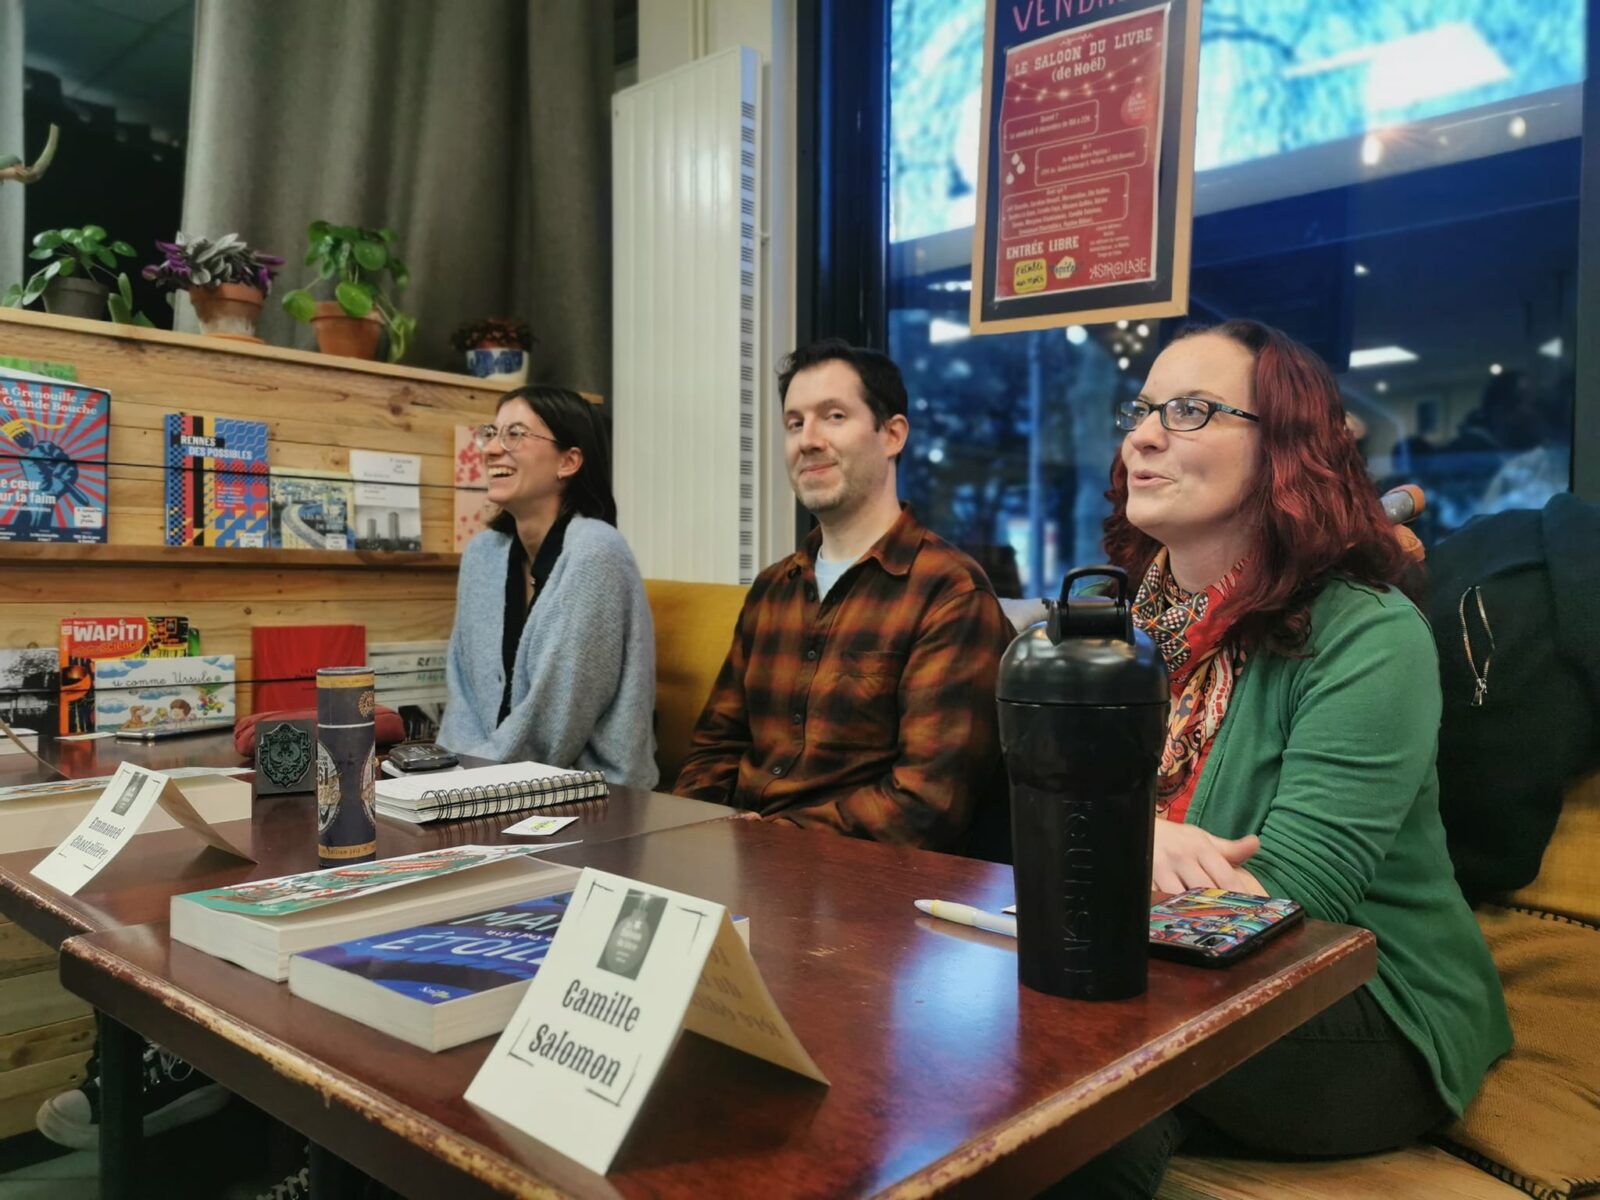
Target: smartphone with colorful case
{"x": 1208, "y": 927}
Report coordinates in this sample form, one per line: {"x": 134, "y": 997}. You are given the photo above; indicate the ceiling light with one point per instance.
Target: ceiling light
{"x": 1495, "y": 368}
{"x": 1371, "y": 150}
{"x": 1380, "y": 356}
{"x": 1382, "y": 386}
{"x": 936, "y": 455}
{"x": 1361, "y": 269}
{"x": 942, "y": 329}
{"x": 1552, "y": 348}
{"x": 1143, "y": 330}
{"x": 1077, "y": 334}
{"x": 1122, "y": 324}
{"x": 1122, "y": 363}
{"x": 1518, "y": 128}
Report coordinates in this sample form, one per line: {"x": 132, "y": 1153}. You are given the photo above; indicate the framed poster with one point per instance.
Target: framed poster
{"x": 1086, "y": 172}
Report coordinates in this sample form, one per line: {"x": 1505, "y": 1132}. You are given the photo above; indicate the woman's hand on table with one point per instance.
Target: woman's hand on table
{"x": 1186, "y": 856}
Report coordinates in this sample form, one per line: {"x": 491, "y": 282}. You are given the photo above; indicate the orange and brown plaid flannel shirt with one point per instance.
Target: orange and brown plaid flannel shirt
{"x": 871, "y": 713}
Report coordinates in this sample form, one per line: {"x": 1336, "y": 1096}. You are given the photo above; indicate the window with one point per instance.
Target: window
{"x": 1395, "y": 185}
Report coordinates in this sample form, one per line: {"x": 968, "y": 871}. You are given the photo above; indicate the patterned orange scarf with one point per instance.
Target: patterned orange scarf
{"x": 1202, "y": 670}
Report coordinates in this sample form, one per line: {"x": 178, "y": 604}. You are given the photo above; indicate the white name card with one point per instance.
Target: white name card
{"x": 114, "y": 819}
{"x": 631, "y": 965}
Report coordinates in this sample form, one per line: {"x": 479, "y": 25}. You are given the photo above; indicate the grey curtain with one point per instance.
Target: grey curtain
{"x": 479, "y": 130}
{"x": 11, "y": 194}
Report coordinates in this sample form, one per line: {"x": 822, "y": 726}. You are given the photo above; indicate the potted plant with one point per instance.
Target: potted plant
{"x": 79, "y": 278}
{"x": 356, "y": 260}
{"x": 496, "y": 348}
{"x": 226, "y": 281}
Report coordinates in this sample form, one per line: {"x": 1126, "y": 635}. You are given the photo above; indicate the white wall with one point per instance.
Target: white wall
{"x": 675, "y": 32}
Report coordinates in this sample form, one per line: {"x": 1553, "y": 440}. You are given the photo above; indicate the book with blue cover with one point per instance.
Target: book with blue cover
{"x": 440, "y": 984}
{"x": 435, "y": 985}
{"x": 217, "y": 487}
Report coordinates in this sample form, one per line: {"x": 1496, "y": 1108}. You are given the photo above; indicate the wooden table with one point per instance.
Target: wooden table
{"x": 137, "y": 885}
{"x": 946, "y": 1073}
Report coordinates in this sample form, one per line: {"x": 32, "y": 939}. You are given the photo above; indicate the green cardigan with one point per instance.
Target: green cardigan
{"x": 1330, "y": 759}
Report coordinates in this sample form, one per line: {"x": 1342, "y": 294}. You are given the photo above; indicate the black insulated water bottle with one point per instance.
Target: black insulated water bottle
{"x": 1083, "y": 712}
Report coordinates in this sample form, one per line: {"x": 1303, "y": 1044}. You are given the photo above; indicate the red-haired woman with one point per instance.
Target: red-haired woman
{"x": 1300, "y": 747}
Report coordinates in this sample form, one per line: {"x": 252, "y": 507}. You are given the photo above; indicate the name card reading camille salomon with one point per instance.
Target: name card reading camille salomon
{"x": 631, "y": 965}
{"x": 116, "y": 817}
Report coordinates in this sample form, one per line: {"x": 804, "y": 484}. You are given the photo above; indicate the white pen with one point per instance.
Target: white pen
{"x": 965, "y": 914}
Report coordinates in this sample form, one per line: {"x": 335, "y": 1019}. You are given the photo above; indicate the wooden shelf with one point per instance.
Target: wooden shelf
{"x": 262, "y": 350}
{"x": 185, "y": 557}
{"x": 231, "y": 346}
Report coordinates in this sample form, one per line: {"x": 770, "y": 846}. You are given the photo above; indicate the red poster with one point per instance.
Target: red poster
{"x": 1080, "y": 146}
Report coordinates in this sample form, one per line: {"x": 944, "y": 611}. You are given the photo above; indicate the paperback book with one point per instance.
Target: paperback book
{"x": 411, "y": 680}
{"x": 310, "y": 510}
{"x": 218, "y": 491}
{"x": 30, "y": 688}
{"x": 37, "y": 816}
{"x": 260, "y": 924}
{"x": 87, "y": 639}
{"x": 388, "y": 500}
{"x": 54, "y": 436}
{"x": 285, "y": 660}
{"x": 158, "y": 693}
{"x": 442, "y": 983}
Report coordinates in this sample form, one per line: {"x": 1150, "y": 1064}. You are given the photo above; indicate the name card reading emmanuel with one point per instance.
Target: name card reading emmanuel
{"x": 116, "y": 817}
{"x": 631, "y": 965}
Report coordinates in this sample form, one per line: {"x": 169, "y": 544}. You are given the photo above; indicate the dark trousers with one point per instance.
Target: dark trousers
{"x": 1346, "y": 1082}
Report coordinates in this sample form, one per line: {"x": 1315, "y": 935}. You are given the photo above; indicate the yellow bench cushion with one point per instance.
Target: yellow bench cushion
{"x": 694, "y": 628}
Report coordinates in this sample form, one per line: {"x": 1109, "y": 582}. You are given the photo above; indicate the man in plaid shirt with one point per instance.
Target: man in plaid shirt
{"x": 858, "y": 695}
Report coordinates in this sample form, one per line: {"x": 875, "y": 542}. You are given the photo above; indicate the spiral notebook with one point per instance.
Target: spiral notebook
{"x": 484, "y": 791}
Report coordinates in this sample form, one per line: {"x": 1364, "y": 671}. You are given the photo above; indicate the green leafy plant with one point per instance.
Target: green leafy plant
{"x": 356, "y": 260}
{"x": 84, "y": 253}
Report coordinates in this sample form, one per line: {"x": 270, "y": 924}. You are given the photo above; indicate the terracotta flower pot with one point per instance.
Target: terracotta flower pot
{"x": 340, "y": 333}
{"x": 74, "y": 297}
{"x": 228, "y": 310}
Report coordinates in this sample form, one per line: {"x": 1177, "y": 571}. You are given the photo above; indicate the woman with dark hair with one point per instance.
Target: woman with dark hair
{"x": 553, "y": 653}
{"x": 1299, "y": 758}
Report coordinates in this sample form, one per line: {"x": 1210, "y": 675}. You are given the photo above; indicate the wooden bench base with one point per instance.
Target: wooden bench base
{"x": 1420, "y": 1171}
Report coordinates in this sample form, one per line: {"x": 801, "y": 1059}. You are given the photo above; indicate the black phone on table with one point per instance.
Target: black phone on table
{"x": 421, "y": 756}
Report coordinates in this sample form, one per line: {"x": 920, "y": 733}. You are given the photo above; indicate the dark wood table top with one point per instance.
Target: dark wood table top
{"x": 946, "y": 1073}
{"x": 136, "y": 886}
{"x": 102, "y": 756}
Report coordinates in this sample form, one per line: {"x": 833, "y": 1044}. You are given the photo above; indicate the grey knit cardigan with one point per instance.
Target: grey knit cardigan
{"x": 584, "y": 688}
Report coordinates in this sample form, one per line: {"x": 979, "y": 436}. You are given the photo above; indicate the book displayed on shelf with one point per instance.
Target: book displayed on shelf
{"x": 411, "y": 680}
{"x": 217, "y": 485}
{"x": 86, "y": 639}
{"x": 388, "y": 500}
{"x": 442, "y": 983}
{"x": 156, "y": 693}
{"x": 284, "y": 661}
{"x": 472, "y": 508}
{"x": 36, "y": 816}
{"x": 485, "y": 791}
{"x": 258, "y": 925}
{"x": 310, "y": 510}
{"x": 30, "y": 688}
{"x": 54, "y": 436}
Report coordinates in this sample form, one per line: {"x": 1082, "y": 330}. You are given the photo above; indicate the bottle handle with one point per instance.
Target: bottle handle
{"x": 1092, "y": 616}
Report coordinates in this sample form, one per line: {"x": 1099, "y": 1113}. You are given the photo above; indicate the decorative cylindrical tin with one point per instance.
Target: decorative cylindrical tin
{"x": 346, "y": 758}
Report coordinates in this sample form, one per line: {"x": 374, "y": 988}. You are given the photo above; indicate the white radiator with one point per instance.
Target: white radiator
{"x": 685, "y": 289}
